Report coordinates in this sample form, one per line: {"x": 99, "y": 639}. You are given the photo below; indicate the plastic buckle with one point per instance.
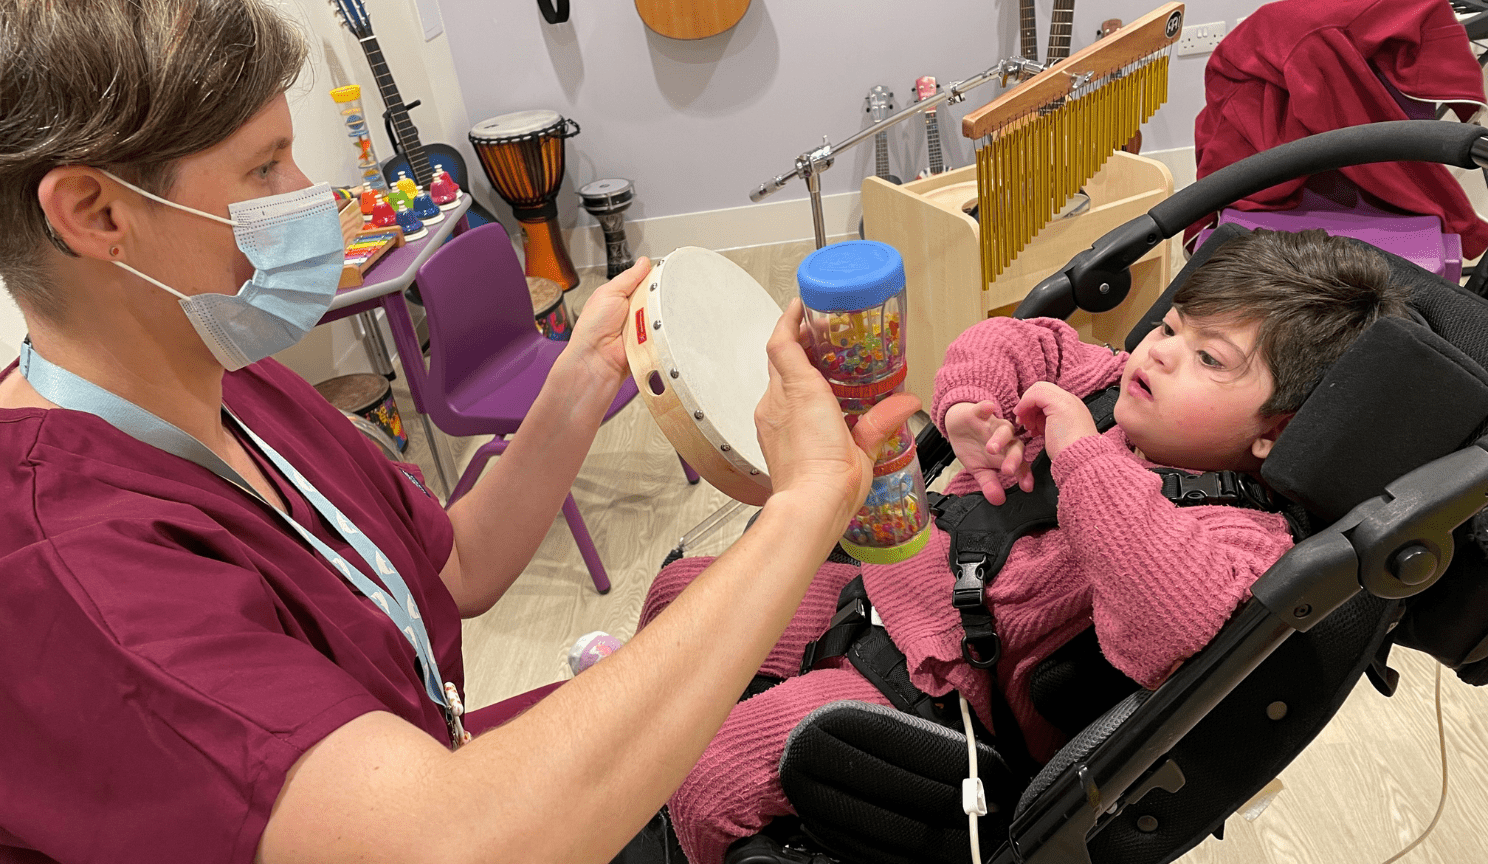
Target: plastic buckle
{"x": 967, "y": 593}
{"x": 856, "y": 611}
{"x": 1211, "y": 486}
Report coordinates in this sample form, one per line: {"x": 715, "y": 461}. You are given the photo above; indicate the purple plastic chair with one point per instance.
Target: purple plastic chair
{"x": 487, "y": 360}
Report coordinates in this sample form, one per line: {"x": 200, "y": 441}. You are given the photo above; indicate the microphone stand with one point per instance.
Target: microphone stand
{"x": 810, "y": 164}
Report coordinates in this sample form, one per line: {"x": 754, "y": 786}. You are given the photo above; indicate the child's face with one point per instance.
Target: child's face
{"x": 1191, "y": 395}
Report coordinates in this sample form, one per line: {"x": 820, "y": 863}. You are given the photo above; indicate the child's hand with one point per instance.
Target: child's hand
{"x": 988, "y": 447}
{"x": 1056, "y": 414}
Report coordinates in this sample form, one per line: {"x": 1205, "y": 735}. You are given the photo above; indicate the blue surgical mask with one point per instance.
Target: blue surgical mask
{"x": 294, "y": 242}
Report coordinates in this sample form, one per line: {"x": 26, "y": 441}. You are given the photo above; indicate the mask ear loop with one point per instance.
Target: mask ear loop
{"x": 151, "y": 279}
{"x": 153, "y": 197}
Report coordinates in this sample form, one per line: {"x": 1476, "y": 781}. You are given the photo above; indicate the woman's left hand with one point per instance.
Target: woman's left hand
{"x": 597, "y": 341}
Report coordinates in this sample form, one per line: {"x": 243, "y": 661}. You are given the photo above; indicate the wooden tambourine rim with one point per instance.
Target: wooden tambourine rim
{"x": 675, "y": 408}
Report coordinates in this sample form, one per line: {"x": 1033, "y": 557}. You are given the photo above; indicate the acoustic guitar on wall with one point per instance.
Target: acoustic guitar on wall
{"x": 414, "y": 158}
{"x": 691, "y": 19}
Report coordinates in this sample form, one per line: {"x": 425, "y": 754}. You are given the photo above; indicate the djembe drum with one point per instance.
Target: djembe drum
{"x": 522, "y": 154}
{"x": 607, "y": 201}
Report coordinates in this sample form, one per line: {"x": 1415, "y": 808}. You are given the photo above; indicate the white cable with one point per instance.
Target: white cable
{"x": 973, "y": 794}
{"x": 1441, "y": 739}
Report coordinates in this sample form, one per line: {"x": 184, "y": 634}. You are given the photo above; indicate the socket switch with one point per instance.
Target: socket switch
{"x": 1200, "y": 38}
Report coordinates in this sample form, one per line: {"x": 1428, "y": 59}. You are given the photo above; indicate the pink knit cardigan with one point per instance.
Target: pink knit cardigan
{"x": 1157, "y": 581}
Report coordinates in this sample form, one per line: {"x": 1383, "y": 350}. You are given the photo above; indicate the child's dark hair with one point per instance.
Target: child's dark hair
{"x": 1312, "y": 294}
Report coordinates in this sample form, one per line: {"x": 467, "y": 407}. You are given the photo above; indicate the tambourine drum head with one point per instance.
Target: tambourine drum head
{"x": 696, "y": 344}
{"x": 517, "y": 124}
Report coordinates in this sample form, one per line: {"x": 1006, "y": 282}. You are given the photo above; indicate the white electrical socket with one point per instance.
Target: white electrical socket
{"x": 1200, "y": 38}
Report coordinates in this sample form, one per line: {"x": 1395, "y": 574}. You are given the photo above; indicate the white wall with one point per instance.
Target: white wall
{"x": 697, "y": 125}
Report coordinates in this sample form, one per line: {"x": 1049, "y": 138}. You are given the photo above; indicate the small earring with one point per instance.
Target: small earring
{"x": 114, "y": 251}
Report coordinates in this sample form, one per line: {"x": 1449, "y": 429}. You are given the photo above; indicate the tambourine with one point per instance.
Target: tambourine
{"x": 696, "y": 345}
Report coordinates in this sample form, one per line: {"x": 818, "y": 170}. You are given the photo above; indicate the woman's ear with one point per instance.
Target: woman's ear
{"x": 1261, "y": 446}
{"x": 83, "y": 209}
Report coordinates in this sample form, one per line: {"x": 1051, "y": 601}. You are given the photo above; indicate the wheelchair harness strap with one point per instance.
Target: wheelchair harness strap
{"x": 982, "y": 535}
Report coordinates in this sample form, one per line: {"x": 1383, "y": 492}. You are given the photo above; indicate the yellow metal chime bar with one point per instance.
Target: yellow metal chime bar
{"x": 1043, "y": 139}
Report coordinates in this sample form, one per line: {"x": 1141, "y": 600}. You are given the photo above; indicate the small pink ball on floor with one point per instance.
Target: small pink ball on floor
{"x": 590, "y": 649}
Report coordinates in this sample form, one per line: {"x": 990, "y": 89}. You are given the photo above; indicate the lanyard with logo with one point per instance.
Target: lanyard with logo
{"x": 70, "y": 391}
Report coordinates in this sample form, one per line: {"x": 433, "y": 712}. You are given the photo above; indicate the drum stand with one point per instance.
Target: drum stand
{"x": 809, "y": 166}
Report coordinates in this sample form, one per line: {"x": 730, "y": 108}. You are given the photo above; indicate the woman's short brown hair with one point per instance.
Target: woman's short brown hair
{"x": 131, "y": 85}
{"x": 1312, "y": 294}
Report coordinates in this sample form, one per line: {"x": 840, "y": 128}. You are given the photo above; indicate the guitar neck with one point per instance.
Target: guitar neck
{"x": 1061, "y": 25}
{"x": 1028, "y": 28}
{"x": 881, "y": 154}
{"x": 932, "y": 142}
{"x": 403, "y": 128}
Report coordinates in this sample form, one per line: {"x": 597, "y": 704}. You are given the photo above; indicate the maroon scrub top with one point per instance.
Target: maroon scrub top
{"x": 169, "y": 648}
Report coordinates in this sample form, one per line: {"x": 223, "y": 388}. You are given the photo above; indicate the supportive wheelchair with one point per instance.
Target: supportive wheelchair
{"x": 1393, "y": 553}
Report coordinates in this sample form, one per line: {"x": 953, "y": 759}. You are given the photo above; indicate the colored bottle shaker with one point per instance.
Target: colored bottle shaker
{"x": 855, "y": 312}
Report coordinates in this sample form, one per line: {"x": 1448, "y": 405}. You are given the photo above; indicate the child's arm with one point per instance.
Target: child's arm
{"x": 998, "y": 359}
{"x": 1164, "y": 579}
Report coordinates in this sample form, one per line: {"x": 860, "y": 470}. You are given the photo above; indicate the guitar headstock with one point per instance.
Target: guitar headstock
{"x": 880, "y": 101}
{"x": 354, "y": 16}
{"x": 926, "y": 87}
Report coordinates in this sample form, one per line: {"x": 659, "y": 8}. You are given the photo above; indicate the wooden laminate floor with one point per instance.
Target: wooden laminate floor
{"x": 1362, "y": 791}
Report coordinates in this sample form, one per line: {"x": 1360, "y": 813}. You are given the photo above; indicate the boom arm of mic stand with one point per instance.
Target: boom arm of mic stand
{"x": 952, "y": 94}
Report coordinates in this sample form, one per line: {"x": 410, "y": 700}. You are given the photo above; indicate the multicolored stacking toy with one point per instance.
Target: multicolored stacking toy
{"x": 855, "y": 310}
{"x": 349, "y": 101}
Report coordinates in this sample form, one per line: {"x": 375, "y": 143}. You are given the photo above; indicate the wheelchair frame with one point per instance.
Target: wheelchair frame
{"x": 1393, "y": 546}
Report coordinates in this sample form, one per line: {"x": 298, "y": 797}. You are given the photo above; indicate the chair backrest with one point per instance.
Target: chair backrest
{"x": 479, "y": 309}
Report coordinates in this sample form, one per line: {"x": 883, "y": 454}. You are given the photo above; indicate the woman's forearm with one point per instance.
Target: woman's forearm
{"x": 499, "y": 524}
{"x": 576, "y": 776}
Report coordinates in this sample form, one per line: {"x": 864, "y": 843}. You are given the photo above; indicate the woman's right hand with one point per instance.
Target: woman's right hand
{"x": 807, "y": 446}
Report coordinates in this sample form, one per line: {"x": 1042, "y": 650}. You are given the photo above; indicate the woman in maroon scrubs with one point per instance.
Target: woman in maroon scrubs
{"x": 187, "y": 676}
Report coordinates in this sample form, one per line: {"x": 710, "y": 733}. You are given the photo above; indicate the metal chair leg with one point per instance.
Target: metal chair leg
{"x": 443, "y": 463}
{"x": 704, "y": 528}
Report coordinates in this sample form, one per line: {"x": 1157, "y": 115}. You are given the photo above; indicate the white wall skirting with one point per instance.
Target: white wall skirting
{"x": 750, "y": 225}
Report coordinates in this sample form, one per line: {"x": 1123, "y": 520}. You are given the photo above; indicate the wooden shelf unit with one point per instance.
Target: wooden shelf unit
{"x": 924, "y": 220}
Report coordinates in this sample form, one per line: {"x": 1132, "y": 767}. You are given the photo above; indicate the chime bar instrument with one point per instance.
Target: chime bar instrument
{"x": 1039, "y": 142}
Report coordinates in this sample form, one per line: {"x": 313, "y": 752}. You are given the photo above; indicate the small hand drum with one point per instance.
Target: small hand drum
{"x": 696, "y": 345}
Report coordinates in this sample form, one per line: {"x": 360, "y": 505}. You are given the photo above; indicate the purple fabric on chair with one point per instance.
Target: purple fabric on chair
{"x": 1418, "y": 239}
{"x": 487, "y": 360}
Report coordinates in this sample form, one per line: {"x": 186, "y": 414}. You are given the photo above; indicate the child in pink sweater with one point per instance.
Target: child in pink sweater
{"x": 1208, "y": 389}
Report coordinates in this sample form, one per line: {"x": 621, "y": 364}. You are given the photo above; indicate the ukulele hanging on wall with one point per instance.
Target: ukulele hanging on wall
{"x": 879, "y": 102}
{"x": 925, "y": 88}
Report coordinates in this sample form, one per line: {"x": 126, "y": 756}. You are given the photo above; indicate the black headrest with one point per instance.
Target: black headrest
{"x": 1400, "y": 397}
{"x": 1407, "y": 392}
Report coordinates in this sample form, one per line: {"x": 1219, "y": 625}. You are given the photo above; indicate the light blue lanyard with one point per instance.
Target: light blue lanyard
{"x": 70, "y": 391}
